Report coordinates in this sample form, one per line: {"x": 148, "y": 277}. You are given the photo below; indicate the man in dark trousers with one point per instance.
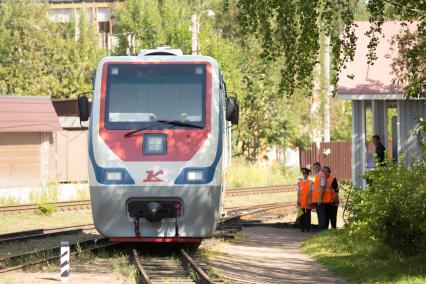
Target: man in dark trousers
{"x": 380, "y": 149}
{"x": 304, "y": 199}
{"x": 330, "y": 199}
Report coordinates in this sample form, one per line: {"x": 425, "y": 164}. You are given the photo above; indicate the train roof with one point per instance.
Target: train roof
{"x": 160, "y": 58}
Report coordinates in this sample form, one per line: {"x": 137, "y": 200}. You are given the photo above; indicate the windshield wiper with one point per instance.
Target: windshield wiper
{"x": 179, "y": 123}
{"x": 134, "y": 131}
{"x": 169, "y": 122}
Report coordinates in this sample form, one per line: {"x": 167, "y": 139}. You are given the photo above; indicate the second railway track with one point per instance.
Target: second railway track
{"x": 233, "y": 214}
{"x": 85, "y": 204}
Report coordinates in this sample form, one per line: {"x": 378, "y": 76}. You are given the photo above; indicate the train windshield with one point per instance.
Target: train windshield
{"x": 143, "y": 95}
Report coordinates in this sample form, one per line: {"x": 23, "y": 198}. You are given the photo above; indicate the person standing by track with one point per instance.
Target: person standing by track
{"x": 317, "y": 194}
{"x": 304, "y": 199}
{"x": 330, "y": 199}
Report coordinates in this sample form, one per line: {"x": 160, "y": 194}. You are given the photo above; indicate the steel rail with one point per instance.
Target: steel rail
{"x": 233, "y": 212}
{"x": 44, "y": 233}
{"x": 85, "y": 204}
{"x": 158, "y": 264}
{"x": 260, "y": 190}
{"x": 144, "y": 279}
{"x": 76, "y": 247}
{"x": 61, "y": 206}
{"x": 92, "y": 244}
{"x": 202, "y": 276}
{"x": 287, "y": 206}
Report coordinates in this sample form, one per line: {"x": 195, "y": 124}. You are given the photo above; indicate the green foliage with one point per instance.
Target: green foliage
{"x": 46, "y": 208}
{"x": 364, "y": 260}
{"x": 392, "y": 208}
{"x": 43, "y": 58}
{"x": 290, "y": 32}
{"x": 341, "y": 129}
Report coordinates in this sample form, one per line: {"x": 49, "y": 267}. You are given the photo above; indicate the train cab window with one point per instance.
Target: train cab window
{"x": 143, "y": 95}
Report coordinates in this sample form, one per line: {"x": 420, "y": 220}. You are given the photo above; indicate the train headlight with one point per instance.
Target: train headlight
{"x": 154, "y": 144}
{"x": 195, "y": 175}
{"x": 113, "y": 175}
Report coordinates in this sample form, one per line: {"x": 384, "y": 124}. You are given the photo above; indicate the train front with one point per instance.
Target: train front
{"x": 155, "y": 146}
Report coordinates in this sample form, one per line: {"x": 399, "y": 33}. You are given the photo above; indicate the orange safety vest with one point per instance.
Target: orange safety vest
{"x": 329, "y": 192}
{"x": 317, "y": 187}
{"x": 304, "y": 193}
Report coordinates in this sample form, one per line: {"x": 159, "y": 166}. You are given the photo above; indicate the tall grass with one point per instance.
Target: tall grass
{"x": 47, "y": 194}
{"x": 243, "y": 174}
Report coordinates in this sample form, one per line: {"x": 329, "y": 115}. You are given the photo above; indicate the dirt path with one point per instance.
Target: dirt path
{"x": 270, "y": 255}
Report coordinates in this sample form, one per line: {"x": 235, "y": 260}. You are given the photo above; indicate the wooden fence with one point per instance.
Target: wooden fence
{"x": 336, "y": 155}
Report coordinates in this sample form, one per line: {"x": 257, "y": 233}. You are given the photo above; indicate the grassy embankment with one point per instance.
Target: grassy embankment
{"x": 364, "y": 261}
{"x": 242, "y": 174}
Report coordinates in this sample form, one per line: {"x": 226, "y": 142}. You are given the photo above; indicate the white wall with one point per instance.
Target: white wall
{"x": 409, "y": 113}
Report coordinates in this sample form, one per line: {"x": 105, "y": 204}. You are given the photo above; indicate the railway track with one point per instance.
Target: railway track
{"x": 45, "y": 233}
{"x": 155, "y": 269}
{"x": 152, "y": 270}
{"x": 161, "y": 269}
{"x": 259, "y": 190}
{"x": 23, "y": 260}
{"x": 266, "y": 211}
{"x": 59, "y": 206}
{"x": 166, "y": 269}
{"x": 232, "y": 213}
{"x": 85, "y": 204}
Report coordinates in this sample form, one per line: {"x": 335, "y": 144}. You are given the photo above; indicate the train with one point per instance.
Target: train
{"x": 159, "y": 146}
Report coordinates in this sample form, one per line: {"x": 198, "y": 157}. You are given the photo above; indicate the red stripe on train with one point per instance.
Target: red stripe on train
{"x": 155, "y": 240}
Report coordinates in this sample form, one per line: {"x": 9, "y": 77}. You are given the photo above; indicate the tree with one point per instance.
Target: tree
{"x": 139, "y": 26}
{"x": 290, "y": 32}
{"x": 43, "y": 58}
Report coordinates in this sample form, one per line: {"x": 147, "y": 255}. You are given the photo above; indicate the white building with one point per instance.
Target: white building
{"x": 99, "y": 13}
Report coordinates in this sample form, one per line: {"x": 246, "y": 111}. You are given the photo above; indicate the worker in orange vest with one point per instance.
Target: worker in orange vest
{"x": 317, "y": 194}
{"x": 304, "y": 199}
{"x": 330, "y": 198}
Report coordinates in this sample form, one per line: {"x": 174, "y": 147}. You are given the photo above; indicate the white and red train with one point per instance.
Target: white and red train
{"x": 159, "y": 146}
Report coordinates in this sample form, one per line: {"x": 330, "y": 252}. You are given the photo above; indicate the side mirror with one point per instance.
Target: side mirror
{"x": 83, "y": 107}
{"x": 232, "y": 110}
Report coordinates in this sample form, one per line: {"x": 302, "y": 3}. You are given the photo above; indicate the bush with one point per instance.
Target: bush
{"x": 392, "y": 208}
{"x": 46, "y": 208}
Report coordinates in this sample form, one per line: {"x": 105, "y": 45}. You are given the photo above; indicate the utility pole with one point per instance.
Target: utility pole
{"x": 194, "y": 31}
{"x": 327, "y": 89}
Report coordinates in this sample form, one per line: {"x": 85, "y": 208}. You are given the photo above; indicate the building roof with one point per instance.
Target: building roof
{"x": 377, "y": 78}
{"x": 27, "y": 114}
